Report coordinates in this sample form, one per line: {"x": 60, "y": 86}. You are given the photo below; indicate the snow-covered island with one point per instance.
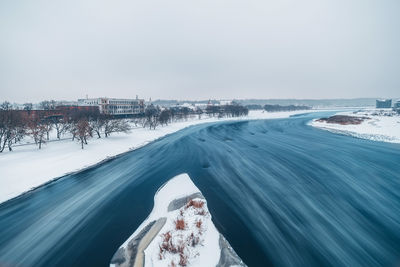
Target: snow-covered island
{"x": 373, "y": 124}
{"x": 178, "y": 232}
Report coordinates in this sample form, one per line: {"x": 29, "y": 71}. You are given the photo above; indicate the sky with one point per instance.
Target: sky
{"x": 208, "y": 49}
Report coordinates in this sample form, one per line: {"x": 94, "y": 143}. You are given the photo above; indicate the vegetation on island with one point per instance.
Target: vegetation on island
{"x": 344, "y": 119}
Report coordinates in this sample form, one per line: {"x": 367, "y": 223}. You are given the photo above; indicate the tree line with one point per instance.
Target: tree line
{"x": 230, "y": 110}
{"x": 37, "y": 124}
{"x": 274, "y": 108}
{"x": 155, "y": 116}
{"x": 81, "y": 125}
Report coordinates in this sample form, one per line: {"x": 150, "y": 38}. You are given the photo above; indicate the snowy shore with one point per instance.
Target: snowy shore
{"x": 178, "y": 232}
{"x": 377, "y": 125}
{"x": 27, "y": 167}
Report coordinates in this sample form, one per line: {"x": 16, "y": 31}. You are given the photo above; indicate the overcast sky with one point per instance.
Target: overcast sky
{"x": 188, "y": 49}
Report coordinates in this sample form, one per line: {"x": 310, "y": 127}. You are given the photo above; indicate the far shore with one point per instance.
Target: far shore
{"x": 381, "y": 125}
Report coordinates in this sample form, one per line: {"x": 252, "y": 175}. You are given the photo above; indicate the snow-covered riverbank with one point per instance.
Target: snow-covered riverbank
{"x": 28, "y": 167}
{"x": 377, "y": 125}
{"x": 178, "y": 232}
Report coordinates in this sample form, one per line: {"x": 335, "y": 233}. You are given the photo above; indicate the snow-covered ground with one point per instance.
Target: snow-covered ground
{"x": 191, "y": 244}
{"x": 27, "y": 167}
{"x": 379, "y": 125}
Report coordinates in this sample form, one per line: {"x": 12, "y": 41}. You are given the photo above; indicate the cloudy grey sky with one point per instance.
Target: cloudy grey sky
{"x": 188, "y": 49}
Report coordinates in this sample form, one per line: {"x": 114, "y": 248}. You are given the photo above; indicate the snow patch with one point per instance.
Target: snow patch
{"x": 383, "y": 125}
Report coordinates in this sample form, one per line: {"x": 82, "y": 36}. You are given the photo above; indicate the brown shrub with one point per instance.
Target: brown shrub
{"x": 198, "y": 223}
{"x": 166, "y": 244}
{"x": 180, "y": 224}
{"x": 168, "y": 247}
{"x": 167, "y": 236}
{"x": 198, "y": 204}
{"x": 183, "y": 259}
{"x": 201, "y": 212}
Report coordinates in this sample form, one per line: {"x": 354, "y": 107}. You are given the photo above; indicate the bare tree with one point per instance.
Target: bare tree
{"x": 142, "y": 121}
{"x": 48, "y": 105}
{"x": 139, "y": 121}
{"x": 97, "y": 124}
{"x": 48, "y": 126}
{"x": 199, "y": 112}
{"x": 165, "y": 116}
{"x": 28, "y": 106}
{"x": 16, "y": 128}
{"x": 212, "y": 110}
{"x": 83, "y": 131}
{"x": 73, "y": 129}
{"x": 3, "y": 128}
{"x": 185, "y": 112}
{"x": 37, "y": 130}
{"x": 12, "y": 128}
{"x": 113, "y": 126}
{"x": 5, "y": 106}
{"x": 151, "y": 115}
{"x": 60, "y": 123}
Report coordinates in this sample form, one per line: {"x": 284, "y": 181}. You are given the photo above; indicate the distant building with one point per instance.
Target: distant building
{"x": 115, "y": 106}
{"x": 387, "y": 103}
{"x": 396, "y": 104}
{"x": 68, "y": 108}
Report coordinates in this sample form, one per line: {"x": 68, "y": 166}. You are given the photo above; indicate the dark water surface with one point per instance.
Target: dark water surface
{"x": 282, "y": 192}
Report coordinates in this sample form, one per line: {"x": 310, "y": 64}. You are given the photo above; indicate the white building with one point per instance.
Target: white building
{"x": 115, "y": 106}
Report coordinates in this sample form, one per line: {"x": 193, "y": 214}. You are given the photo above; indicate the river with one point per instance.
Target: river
{"x": 283, "y": 194}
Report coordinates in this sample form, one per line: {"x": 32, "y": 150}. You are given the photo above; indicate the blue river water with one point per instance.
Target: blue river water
{"x": 283, "y": 194}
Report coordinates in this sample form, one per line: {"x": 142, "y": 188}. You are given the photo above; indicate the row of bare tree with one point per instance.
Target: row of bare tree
{"x": 81, "y": 125}
{"x": 155, "y": 116}
{"x": 86, "y": 127}
{"x": 12, "y": 129}
{"x": 231, "y": 110}
{"x": 85, "y": 124}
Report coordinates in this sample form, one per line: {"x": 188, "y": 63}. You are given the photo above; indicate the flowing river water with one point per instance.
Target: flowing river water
{"x": 282, "y": 193}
